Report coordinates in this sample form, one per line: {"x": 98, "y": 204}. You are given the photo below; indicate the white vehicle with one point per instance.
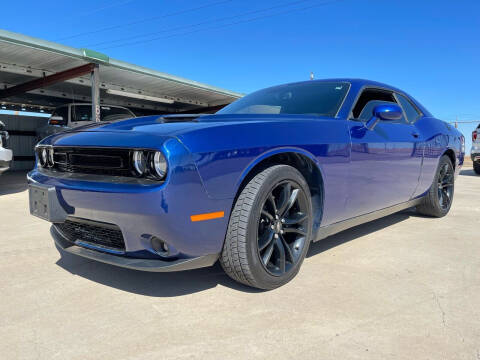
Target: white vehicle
{"x": 6, "y": 155}
{"x": 475, "y": 152}
{"x": 70, "y": 116}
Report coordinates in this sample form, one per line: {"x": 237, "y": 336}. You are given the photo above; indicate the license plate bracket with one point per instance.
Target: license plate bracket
{"x": 44, "y": 203}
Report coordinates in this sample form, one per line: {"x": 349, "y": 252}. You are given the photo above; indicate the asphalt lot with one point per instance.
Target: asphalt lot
{"x": 402, "y": 287}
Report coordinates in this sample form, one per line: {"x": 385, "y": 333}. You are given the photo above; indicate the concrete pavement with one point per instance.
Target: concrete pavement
{"x": 402, "y": 287}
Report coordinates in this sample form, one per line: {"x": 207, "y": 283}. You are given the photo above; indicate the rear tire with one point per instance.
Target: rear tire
{"x": 476, "y": 167}
{"x": 439, "y": 198}
{"x": 269, "y": 229}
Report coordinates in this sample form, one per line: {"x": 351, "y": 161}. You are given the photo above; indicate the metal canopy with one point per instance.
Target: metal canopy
{"x": 24, "y": 58}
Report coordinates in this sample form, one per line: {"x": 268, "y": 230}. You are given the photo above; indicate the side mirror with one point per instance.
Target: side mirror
{"x": 385, "y": 112}
{"x": 57, "y": 120}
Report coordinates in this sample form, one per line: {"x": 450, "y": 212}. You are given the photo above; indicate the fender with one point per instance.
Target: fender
{"x": 437, "y": 142}
{"x": 229, "y": 150}
{"x": 272, "y": 152}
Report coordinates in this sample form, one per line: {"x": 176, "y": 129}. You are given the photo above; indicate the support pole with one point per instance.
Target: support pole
{"x": 95, "y": 79}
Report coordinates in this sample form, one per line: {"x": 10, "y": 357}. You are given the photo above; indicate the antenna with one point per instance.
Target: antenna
{"x": 311, "y": 75}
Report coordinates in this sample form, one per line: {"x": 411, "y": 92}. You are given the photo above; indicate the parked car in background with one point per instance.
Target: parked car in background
{"x": 250, "y": 186}
{"x": 70, "y": 116}
{"x": 6, "y": 154}
{"x": 475, "y": 151}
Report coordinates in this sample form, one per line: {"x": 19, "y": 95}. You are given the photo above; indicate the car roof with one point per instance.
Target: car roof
{"x": 358, "y": 84}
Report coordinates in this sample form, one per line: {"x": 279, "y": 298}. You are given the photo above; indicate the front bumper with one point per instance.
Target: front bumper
{"x": 139, "y": 212}
{"x": 152, "y": 265}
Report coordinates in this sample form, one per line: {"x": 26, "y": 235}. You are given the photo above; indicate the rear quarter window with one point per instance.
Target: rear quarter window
{"x": 411, "y": 111}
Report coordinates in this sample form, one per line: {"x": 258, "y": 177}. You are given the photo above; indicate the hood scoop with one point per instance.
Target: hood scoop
{"x": 179, "y": 118}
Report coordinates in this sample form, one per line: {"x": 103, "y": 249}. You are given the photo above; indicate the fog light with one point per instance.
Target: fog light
{"x": 160, "y": 246}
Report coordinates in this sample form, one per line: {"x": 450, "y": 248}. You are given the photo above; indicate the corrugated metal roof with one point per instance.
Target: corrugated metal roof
{"x": 23, "y": 57}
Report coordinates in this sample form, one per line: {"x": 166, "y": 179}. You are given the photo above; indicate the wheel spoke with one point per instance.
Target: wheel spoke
{"x": 267, "y": 214}
{"x": 266, "y": 239}
{"x": 284, "y": 198}
{"x": 291, "y": 201}
{"x": 272, "y": 202}
{"x": 296, "y": 218}
{"x": 445, "y": 198}
{"x": 281, "y": 257}
{"x": 288, "y": 250}
{"x": 268, "y": 254}
{"x": 295, "y": 230}
{"x": 444, "y": 169}
{"x": 447, "y": 193}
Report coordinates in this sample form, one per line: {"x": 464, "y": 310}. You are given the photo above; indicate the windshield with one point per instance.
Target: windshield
{"x": 316, "y": 98}
{"x": 107, "y": 113}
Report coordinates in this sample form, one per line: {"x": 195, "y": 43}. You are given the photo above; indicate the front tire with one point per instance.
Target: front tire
{"x": 439, "y": 198}
{"x": 269, "y": 229}
{"x": 476, "y": 167}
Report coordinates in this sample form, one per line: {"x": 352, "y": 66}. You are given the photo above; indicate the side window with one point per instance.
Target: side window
{"x": 410, "y": 111}
{"x": 367, "y": 101}
{"x": 81, "y": 113}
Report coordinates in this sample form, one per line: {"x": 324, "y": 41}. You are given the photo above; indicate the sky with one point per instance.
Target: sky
{"x": 428, "y": 48}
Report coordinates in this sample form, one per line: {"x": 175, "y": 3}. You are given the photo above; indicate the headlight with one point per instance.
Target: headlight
{"x": 50, "y": 157}
{"x": 149, "y": 163}
{"x": 139, "y": 162}
{"x": 158, "y": 165}
{"x": 43, "y": 157}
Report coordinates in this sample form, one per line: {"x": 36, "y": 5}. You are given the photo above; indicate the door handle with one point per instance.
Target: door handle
{"x": 415, "y": 134}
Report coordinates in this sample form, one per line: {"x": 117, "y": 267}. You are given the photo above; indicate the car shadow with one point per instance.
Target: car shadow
{"x": 154, "y": 284}
{"x": 187, "y": 282}
{"x": 468, "y": 172}
{"x": 12, "y": 182}
{"x": 359, "y": 231}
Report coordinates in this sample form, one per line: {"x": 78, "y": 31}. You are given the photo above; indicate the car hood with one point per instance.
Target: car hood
{"x": 175, "y": 125}
{"x": 191, "y": 130}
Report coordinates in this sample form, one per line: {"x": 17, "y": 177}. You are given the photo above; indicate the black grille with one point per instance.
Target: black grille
{"x": 97, "y": 233}
{"x": 100, "y": 161}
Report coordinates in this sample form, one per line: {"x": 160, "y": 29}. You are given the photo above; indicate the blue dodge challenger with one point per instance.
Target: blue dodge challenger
{"x": 250, "y": 186}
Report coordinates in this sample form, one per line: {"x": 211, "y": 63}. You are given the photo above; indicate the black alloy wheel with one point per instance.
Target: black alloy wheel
{"x": 270, "y": 228}
{"x": 281, "y": 228}
{"x": 438, "y": 199}
{"x": 445, "y": 186}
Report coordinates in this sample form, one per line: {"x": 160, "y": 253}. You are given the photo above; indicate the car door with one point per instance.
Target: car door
{"x": 385, "y": 162}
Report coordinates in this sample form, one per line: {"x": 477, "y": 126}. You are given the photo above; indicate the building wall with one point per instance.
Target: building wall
{"x": 22, "y": 130}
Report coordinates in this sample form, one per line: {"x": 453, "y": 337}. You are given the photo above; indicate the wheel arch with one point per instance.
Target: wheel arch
{"x": 451, "y": 154}
{"x": 304, "y": 162}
